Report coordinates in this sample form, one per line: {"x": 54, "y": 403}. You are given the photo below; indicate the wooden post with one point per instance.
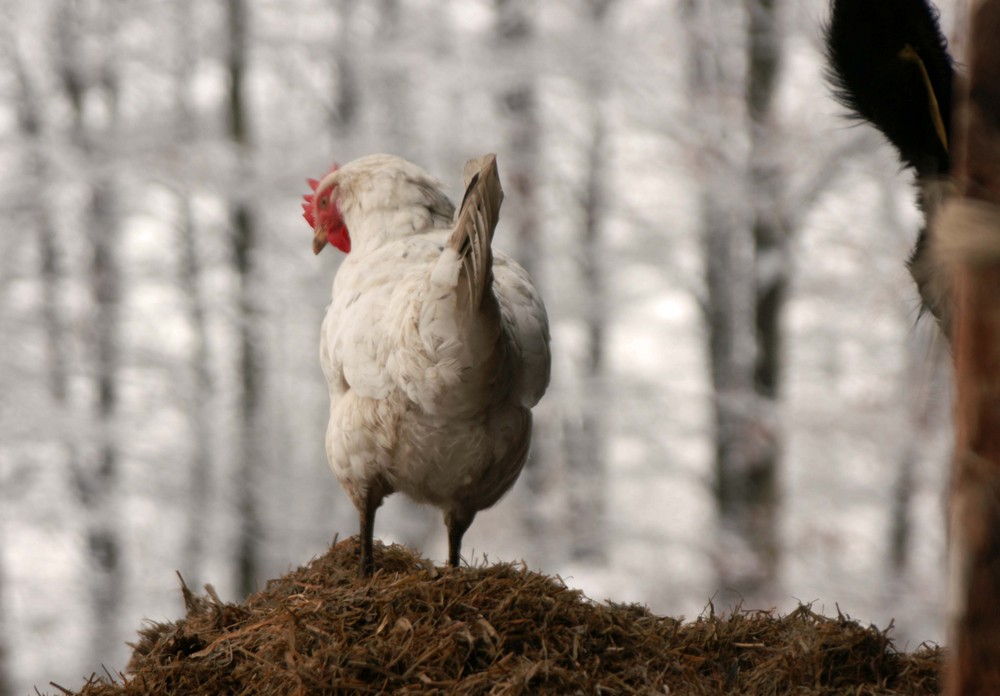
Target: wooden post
{"x": 968, "y": 229}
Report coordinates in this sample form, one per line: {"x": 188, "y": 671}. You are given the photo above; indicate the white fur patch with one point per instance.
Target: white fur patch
{"x": 967, "y": 230}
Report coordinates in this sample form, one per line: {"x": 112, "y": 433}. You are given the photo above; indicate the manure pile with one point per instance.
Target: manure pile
{"x": 416, "y": 628}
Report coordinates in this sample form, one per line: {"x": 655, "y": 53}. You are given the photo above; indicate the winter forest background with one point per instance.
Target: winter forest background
{"x": 743, "y": 401}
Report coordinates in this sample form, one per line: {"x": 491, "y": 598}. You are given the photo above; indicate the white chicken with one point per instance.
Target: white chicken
{"x": 435, "y": 347}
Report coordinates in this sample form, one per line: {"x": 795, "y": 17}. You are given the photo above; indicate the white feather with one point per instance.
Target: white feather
{"x": 426, "y": 393}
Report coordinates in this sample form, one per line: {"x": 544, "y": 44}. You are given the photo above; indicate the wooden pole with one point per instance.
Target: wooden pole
{"x": 968, "y": 230}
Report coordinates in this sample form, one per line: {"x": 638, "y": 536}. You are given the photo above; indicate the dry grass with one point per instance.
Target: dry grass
{"x": 490, "y": 630}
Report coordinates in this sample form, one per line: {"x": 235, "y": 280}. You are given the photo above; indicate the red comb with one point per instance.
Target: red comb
{"x": 308, "y": 209}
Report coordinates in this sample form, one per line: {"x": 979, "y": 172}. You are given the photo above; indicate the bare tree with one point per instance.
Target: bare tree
{"x": 99, "y": 490}
{"x": 923, "y": 361}
{"x": 201, "y": 389}
{"x": 39, "y": 171}
{"x": 394, "y": 80}
{"x": 30, "y": 122}
{"x": 244, "y": 241}
{"x": 5, "y": 680}
{"x": 729, "y": 300}
{"x": 199, "y": 399}
{"x": 97, "y": 479}
{"x": 758, "y": 484}
{"x": 347, "y": 99}
{"x": 517, "y": 101}
{"x": 587, "y": 437}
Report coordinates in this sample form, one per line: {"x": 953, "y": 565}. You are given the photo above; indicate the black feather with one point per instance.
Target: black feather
{"x": 864, "y": 42}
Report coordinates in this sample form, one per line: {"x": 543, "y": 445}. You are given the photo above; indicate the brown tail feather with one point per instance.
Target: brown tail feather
{"x": 477, "y": 220}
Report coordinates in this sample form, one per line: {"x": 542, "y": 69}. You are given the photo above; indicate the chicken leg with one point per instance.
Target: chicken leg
{"x": 457, "y": 521}
{"x": 366, "y": 512}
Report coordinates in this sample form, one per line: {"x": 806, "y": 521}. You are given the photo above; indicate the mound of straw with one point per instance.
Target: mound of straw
{"x": 417, "y": 628}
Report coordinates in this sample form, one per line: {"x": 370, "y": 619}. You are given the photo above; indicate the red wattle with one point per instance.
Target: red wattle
{"x": 340, "y": 238}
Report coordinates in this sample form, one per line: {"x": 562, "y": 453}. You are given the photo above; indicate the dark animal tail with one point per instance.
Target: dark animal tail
{"x": 889, "y": 64}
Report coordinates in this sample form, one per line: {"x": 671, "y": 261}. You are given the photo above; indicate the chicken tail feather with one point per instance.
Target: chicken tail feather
{"x": 472, "y": 237}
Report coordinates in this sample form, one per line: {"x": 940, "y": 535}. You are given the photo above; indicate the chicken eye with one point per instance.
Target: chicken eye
{"x": 323, "y": 201}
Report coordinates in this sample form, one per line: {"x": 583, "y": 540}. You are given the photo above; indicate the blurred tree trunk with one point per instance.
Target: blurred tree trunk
{"x": 745, "y": 236}
{"x": 5, "y": 679}
{"x": 199, "y": 411}
{"x": 728, "y": 303}
{"x": 39, "y": 172}
{"x": 97, "y": 480}
{"x": 30, "y": 122}
{"x": 517, "y": 102}
{"x": 347, "y": 100}
{"x": 924, "y": 362}
{"x": 922, "y": 369}
{"x": 100, "y": 490}
{"x": 967, "y": 235}
{"x": 589, "y": 483}
{"x": 244, "y": 241}
{"x": 394, "y": 80}
{"x": 201, "y": 389}
{"x": 772, "y": 268}
{"x": 587, "y": 440}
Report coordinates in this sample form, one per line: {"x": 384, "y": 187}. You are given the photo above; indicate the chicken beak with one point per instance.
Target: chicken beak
{"x": 319, "y": 240}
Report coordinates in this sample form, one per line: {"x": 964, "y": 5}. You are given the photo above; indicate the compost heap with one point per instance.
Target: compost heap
{"x": 502, "y": 628}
